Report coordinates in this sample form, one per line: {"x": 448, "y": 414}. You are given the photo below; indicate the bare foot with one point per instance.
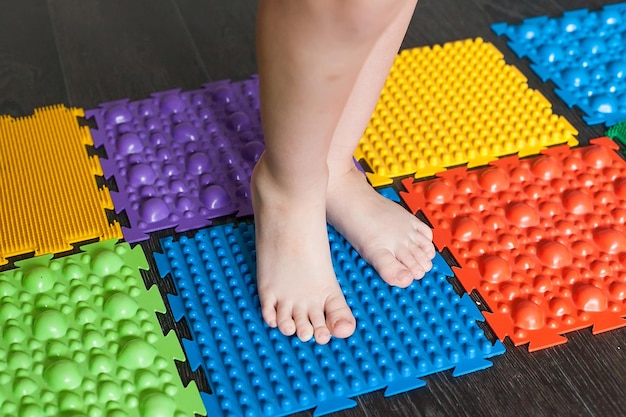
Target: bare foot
{"x": 391, "y": 239}
{"x": 297, "y": 286}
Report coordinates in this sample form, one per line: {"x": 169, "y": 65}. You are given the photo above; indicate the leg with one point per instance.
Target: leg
{"x": 397, "y": 244}
{"x": 310, "y": 53}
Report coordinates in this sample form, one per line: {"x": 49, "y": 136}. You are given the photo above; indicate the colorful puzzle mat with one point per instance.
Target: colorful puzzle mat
{"x": 402, "y": 334}
{"x": 80, "y": 338}
{"x": 181, "y": 159}
{"x": 542, "y": 239}
{"x": 583, "y": 53}
{"x": 618, "y": 133}
{"x": 455, "y": 104}
{"x": 49, "y": 197}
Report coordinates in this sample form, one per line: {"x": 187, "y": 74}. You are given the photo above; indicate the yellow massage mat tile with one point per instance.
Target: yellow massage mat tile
{"x": 455, "y": 104}
{"x": 49, "y": 198}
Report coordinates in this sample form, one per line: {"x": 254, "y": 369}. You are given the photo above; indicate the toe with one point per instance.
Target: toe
{"x": 413, "y": 259}
{"x": 423, "y": 259}
{"x": 430, "y": 251}
{"x": 284, "y": 319}
{"x": 268, "y": 311}
{"x": 339, "y": 318}
{"x": 424, "y": 229}
{"x": 425, "y": 243}
{"x": 426, "y": 264}
{"x": 304, "y": 329}
{"x": 287, "y": 327}
{"x": 320, "y": 332}
{"x": 391, "y": 270}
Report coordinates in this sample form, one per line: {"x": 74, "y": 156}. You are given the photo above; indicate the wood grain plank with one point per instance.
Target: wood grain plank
{"x": 514, "y": 12}
{"x": 225, "y": 35}
{"x": 123, "y": 49}
{"x": 30, "y": 72}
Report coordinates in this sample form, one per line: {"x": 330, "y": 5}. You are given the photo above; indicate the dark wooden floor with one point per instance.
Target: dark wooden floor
{"x": 83, "y": 52}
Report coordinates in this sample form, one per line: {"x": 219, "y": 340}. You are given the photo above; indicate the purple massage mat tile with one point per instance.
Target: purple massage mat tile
{"x": 181, "y": 159}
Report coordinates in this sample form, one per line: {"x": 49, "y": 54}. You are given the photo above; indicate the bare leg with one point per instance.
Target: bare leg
{"x": 310, "y": 53}
{"x": 396, "y": 243}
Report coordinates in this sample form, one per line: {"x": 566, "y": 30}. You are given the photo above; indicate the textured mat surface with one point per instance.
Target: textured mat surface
{"x": 618, "y": 133}
{"x": 49, "y": 198}
{"x": 80, "y": 338}
{"x": 582, "y": 52}
{"x": 181, "y": 159}
{"x": 402, "y": 334}
{"x": 454, "y": 104}
{"x": 543, "y": 239}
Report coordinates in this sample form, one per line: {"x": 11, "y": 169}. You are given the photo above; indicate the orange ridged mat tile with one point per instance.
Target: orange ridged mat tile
{"x": 49, "y": 197}
{"x": 542, "y": 239}
{"x": 455, "y": 104}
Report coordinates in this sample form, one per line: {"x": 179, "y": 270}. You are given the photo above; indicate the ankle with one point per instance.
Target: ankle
{"x": 297, "y": 195}
{"x": 338, "y": 177}
{"x": 268, "y": 182}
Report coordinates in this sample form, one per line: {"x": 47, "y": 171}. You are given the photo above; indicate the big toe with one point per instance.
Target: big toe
{"x": 339, "y": 319}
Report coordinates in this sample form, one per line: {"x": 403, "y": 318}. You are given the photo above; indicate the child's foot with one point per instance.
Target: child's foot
{"x": 297, "y": 286}
{"x": 391, "y": 239}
